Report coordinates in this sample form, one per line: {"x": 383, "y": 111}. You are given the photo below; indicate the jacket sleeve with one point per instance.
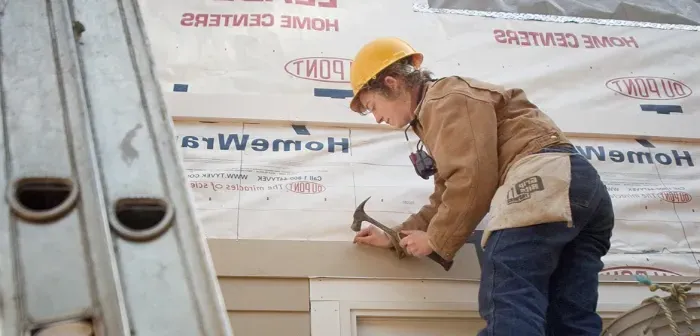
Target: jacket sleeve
{"x": 421, "y": 219}
{"x": 461, "y": 133}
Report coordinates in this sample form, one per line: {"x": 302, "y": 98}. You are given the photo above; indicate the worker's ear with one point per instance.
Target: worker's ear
{"x": 393, "y": 84}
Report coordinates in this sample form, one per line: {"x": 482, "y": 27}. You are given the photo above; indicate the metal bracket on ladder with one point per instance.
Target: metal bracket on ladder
{"x": 98, "y": 234}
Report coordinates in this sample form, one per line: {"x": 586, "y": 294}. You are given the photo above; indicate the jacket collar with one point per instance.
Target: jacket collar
{"x": 415, "y": 123}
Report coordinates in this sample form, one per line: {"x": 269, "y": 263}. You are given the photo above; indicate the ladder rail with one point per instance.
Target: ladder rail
{"x": 116, "y": 240}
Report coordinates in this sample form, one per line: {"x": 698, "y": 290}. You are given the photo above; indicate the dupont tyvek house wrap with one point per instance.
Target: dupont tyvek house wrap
{"x": 679, "y": 12}
{"x": 249, "y": 71}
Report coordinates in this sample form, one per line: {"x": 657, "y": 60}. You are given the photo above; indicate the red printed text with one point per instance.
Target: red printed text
{"x": 562, "y": 39}
{"x": 258, "y": 20}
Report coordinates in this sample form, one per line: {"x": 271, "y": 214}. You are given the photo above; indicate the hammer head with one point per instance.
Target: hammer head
{"x": 359, "y": 216}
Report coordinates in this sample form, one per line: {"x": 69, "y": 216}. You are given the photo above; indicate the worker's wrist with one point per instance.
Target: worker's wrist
{"x": 388, "y": 237}
{"x": 432, "y": 246}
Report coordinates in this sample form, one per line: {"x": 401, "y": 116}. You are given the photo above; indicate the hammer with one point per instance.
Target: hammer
{"x": 395, "y": 237}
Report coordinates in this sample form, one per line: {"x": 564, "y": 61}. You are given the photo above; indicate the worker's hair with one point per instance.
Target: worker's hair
{"x": 403, "y": 69}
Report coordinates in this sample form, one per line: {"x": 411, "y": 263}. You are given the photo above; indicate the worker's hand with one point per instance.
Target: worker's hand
{"x": 373, "y": 236}
{"x": 416, "y": 243}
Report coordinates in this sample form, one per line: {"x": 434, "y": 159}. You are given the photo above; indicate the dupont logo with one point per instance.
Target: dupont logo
{"x": 637, "y": 270}
{"x": 305, "y": 187}
{"x": 321, "y": 69}
{"x": 649, "y": 88}
{"x": 676, "y": 196}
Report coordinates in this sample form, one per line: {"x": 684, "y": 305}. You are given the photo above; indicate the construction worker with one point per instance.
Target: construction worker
{"x": 494, "y": 151}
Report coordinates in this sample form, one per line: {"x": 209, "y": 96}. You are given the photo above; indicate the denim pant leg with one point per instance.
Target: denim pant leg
{"x": 573, "y": 287}
{"x": 523, "y": 266}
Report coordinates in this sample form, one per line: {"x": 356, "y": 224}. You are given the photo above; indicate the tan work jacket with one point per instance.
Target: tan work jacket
{"x": 482, "y": 138}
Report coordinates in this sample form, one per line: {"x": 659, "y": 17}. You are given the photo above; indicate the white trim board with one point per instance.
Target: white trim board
{"x": 336, "y": 304}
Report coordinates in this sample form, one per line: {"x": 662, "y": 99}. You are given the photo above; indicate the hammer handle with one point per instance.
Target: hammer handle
{"x": 446, "y": 264}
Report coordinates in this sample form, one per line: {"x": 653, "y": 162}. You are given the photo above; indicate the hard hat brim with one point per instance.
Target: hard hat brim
{"x": 355, "y": 104}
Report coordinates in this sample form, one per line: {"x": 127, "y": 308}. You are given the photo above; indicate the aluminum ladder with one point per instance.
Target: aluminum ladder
{"x": 98, "y": 235}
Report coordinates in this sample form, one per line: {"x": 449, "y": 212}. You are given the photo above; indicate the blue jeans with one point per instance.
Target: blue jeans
{"x": 543, "y": 279}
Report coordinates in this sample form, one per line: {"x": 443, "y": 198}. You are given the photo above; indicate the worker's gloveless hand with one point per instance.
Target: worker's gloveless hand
{"x": 373, "y": 236}
{"x": 416, "y": 243}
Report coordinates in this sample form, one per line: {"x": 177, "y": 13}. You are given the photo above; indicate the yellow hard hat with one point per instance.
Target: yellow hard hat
{"x": 374, "y": 57}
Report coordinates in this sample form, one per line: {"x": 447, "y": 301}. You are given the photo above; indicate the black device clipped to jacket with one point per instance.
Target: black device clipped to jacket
{"x": 422, "y": 162}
